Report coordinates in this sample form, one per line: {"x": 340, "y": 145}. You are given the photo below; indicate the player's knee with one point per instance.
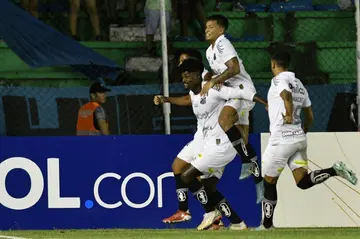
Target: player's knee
{"x": 228, "y": 117}
{"x": 178, "y": 166}
{"x": 186, "y": 178}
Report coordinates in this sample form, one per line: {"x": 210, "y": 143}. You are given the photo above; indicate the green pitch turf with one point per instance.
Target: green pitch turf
{"x": 308, "y": 233}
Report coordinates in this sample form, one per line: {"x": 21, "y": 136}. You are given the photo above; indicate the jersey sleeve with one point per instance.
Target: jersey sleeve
{"x": 282, "y": 83}
{"x": 226, "y": 93}
{"x": 307, "y": 101}
{"x": 226, "y": 50}
{"x": 99, "y": 113}
{"x": 204, "y": 73}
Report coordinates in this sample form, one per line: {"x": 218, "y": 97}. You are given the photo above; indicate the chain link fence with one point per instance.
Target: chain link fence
{"x": 45, "y": 101}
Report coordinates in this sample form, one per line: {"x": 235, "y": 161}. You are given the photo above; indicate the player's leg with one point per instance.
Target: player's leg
{"x": 183, "y": 159}
{"x": 210, "y": 183}
{"x": 274, "y": 161}
{"x": 304, "y": 180}
{"x": 234, "y": 120}
{"x": 213, "y": 160}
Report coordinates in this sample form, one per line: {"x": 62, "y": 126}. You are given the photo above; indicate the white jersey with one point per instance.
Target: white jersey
{"x": 280, "y": 132}
{"x": 222, "y": 52}
{"x": 208, "y": 107}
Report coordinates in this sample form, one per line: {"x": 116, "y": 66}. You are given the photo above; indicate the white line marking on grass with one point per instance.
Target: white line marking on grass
{"x": 11, "y": 237}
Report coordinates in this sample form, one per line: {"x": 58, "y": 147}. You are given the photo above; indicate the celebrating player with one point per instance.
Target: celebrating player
{"x": 287, "y": 97}
{"x": 227, "y": 68}
{"x": 217, "y": 150}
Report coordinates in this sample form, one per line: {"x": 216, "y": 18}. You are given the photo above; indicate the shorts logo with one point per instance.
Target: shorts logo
{"x": 218, "y": 141}
{"x": 269, "y": 209}
{"x": 225, "y": 209}
{"x": 321, "y": 177}
{"x": 202, "y": 197}
{"x": 181, "y": 195}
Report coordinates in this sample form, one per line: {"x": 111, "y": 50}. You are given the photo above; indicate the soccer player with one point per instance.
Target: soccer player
{"x": 287, "y": 97}
{"x": 217, "y": 150}
{"x": 186, "y": 155}
{"x": 227, "y": 68}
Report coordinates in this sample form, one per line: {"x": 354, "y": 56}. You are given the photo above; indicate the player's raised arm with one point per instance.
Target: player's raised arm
{"x": 181, "y": 100}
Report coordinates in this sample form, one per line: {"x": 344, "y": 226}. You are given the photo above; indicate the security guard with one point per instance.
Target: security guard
{"x": 92, "y": 119}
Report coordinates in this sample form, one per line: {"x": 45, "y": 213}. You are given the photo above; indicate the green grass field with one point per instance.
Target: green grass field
{"x": 306, "y": 233}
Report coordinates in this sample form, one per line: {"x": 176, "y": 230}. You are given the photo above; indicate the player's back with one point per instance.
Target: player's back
{"x": 280, "y": 132}
{"x": 218, "y": 55}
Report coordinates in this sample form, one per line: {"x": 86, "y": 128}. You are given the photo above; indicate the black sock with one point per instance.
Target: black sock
{"x": 316, "y": 177}
{"x": 234, "y": 136}
{"x": 269, "y": 203}
{"x": 224, "y": 207}
{"x": 182, "y": 193}
{"x": 246, "y": 152}
{"x": 201, "y": 194}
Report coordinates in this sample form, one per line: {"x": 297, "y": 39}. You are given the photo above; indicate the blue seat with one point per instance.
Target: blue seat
{"x": 291, "y": 6}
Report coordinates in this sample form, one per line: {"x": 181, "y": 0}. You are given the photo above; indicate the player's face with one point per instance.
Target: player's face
{"x": 190, "y": 79}
{"x": 182, "y": 58}
{"x": 213, "y": 30}
{"x": 100, "y": 97}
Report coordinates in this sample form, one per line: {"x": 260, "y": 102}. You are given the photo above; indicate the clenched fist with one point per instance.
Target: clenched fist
{"x": 159, "y": 99}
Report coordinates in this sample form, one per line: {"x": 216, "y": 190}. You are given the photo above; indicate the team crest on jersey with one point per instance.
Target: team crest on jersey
{"x": 220, "y": 48}
{"x": 203, "y": 100}
{"x": 218, "y": 141}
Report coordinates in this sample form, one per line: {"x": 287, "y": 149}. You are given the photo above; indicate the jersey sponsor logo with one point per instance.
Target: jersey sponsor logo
{"x": 292, "y": 133}
{"x": 202, "y": 116}
{"x": 268, "y": 209}
{"x": 297, "y": 89}
{"x": 225, "y": 209}
{"x": 202, "y": 197}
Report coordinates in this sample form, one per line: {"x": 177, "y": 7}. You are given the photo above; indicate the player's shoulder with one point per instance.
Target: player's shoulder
{"x": 222, "y": 44}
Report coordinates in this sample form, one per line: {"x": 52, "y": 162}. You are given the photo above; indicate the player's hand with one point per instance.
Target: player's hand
{"x": 159, "y": 99}
{"x": 208, "y": 85}
{"x": 287, "y": 119}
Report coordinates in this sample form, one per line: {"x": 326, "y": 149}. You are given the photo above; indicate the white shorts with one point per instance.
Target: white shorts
{"x": 243, "y": 108}
{"x": 277, "y": 156}
{"x": 191, "y": 150}
{"x": 213, "y": 159}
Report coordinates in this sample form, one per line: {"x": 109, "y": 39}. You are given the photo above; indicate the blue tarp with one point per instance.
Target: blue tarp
{"x": 39, "y": 45}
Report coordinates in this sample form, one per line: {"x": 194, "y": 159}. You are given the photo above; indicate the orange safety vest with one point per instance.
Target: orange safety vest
{"x": 85, "y": 122}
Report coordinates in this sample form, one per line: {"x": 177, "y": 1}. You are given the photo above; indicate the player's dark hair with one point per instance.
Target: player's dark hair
{"x": 190, "y": 52}
{"x": 282, "y": 59}
{"x": 191, "y": 65}
{"x": 220, "y": 20}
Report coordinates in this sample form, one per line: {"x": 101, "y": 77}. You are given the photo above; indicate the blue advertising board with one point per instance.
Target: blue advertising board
{"x": 103, "y": 182}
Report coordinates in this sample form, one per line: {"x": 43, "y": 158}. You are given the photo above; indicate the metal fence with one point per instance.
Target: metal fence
{"x": 46, "y": 101}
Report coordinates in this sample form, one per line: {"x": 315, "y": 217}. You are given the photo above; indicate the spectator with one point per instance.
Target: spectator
{"x": 91, "y": 9}
{"x": 152, "y": 21}
{"x": 191, "y": 9}
{"x": 31, "y": 6}
{"x": 131, "y": 4}
{"x": 237, "y": 6}
{"x": 92, "y": 119}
